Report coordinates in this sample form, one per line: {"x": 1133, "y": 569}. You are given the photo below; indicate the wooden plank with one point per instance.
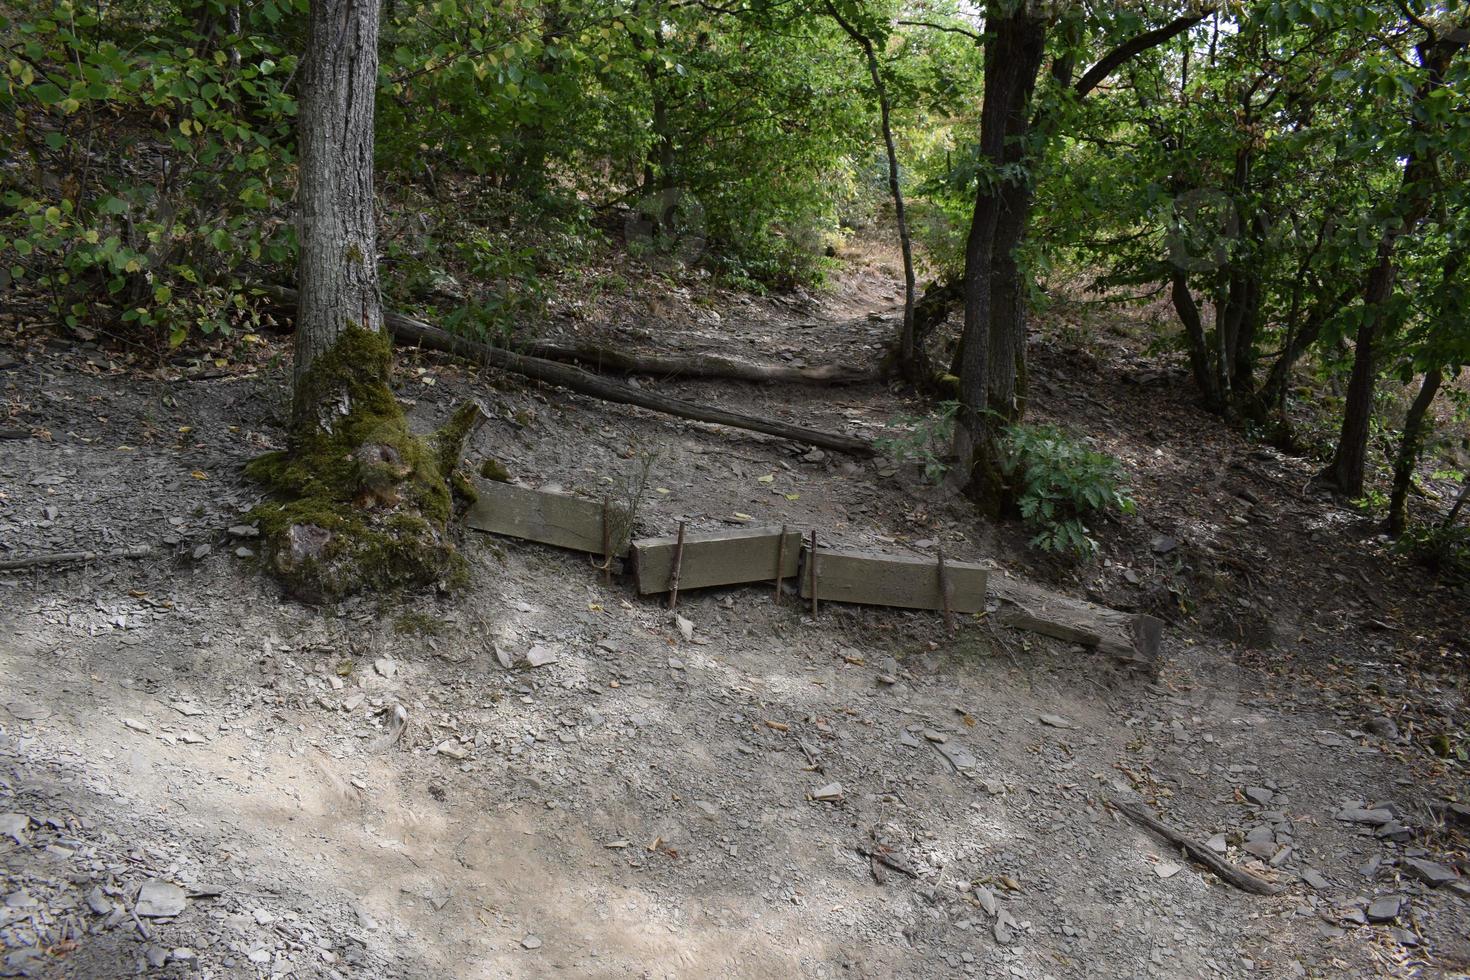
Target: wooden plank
{"x": 536, "y": 515}
{"x": 1133, "y": 637}
{"x": 890, "y": 580}
{"x": 715, "y": 558}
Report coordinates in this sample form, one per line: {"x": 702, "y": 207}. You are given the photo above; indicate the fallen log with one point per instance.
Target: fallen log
{"x": 1225, "y": 871}
{"x": 602, "y": 358}
{"x": 408, "y": 330}
{"x": 1130, "y": 637}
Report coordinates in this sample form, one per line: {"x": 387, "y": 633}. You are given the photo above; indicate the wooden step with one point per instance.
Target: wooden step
{"x": 550, "y": 518}
{"x": 877, "y": 579}
{"x": 716, "y": 558}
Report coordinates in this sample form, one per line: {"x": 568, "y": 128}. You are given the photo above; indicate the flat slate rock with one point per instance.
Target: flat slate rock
{"x": 1429, "y": 872}
{"x": 158, "y": 899}
{"x": 1385, "y": 908}
{"x": 1316, "y": 879}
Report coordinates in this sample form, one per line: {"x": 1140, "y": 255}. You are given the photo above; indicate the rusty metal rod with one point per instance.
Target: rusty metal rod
{"x": 811, "y": 571}
{"x": 675, "y": 567}
{"x": 946, "y": 594}
{"x": 780, "y": 561}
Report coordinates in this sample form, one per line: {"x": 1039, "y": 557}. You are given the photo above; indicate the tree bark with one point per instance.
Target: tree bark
{"x": 338, "y": 268}
{"x": 1014, "y": 46}
{"x": 1415, "y": 430}
{"x": 911, "y": 360}
{"x": 357, "y": 501}
{"x": 424, "y": 335}
{"x": 612, "y": 359}
{"x": 992, "y": 361}
{"x": 1199, "y": 350}
{"x": 1346, "y": 470}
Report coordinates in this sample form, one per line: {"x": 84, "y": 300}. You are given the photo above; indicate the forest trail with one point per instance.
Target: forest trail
{"x": 643, "y": 804}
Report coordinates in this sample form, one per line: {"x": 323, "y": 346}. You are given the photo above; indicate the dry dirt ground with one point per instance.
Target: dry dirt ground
{"x": 198, "y": 776}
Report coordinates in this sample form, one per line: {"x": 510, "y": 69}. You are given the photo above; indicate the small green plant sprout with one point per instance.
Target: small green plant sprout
{"x": 1062, "y": 485}
{"x": 922, "y": 439}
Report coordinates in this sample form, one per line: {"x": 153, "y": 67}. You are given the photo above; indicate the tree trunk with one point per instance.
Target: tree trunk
{"x": 1345, "y": 472}
{"x": 911, "y": 360}
{"x": 338, "y": 269}
{"x": 1349, "y": 461}
{"x": 1415, "y": 430}
{"x": 1194, "y": 332}
{"x": 1014, "y": 46}
{"x": 357, "y": 500}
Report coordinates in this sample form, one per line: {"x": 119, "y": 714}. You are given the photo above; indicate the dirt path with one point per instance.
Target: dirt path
{"x": 642, "y": 806}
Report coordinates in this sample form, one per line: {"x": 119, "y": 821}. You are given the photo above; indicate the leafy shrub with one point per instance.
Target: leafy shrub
{"x": 141, "y": 164}
{"x": 923, "y": 439}
{"x": 1062, "y": 484}
{"x": 1438, "y": 547}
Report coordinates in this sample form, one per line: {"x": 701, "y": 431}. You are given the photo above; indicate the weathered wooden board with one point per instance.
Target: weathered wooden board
{"x": 1133, "y": 637}
{"x": 716, "y": 558}
{"x": 536, "y": 515}
{"x": 889, "y": 580}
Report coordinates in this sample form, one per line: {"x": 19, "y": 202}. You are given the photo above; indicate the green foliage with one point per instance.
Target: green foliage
{"x": 1439, "y": 547}
{"x": 1062, "y": 484}
{"x": 144, "y": 162}
{"x": 923, "y": 439}
{"x": 366, "y": 503}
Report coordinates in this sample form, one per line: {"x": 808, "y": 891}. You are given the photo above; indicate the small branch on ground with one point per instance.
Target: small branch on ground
{"x": 1227, "y": 872}
{"x": 67, "y": 557}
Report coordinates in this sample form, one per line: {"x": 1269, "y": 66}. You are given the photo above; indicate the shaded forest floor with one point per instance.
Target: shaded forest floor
{"x": 640, "y": 806}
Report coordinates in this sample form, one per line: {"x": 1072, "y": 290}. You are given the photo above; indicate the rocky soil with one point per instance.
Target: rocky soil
{"x": 200, "y": 777}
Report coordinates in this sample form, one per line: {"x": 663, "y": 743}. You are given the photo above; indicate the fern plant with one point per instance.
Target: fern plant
{"x": 1063, "y": 484}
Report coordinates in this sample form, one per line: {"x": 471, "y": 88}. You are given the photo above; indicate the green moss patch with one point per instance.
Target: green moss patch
{"x": 358, "y": 501}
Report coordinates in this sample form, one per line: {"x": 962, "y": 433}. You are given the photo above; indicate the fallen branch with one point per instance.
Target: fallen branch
{"x": 416, "y": 332}
{"x": 66, "y": 557}
{"x": 603, "y": 358}
{"x": 880, "y": 854}
{"x": 1227, "y": 872}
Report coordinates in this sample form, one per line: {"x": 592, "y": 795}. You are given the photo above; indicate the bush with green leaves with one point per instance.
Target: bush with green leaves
{"x": 142, "y": 151}
{"x": 923, "y": 440}
{"x": 1063, "y": 484}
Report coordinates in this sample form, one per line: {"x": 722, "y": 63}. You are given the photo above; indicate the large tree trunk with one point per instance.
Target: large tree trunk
{"x": 1014, "y": 46}
{"x": 338, "y": 268}
{"x": 358, "y": 501}
{"x": 1415, "y": 430}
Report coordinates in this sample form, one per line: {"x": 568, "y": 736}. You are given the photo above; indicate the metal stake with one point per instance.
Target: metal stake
{"x": 812, "y": 572}
{"x": 674, "y": 568}
{"x": 606, "y": 543}
{"x": 945, "y": 593}
{"x": 780, "y": 561}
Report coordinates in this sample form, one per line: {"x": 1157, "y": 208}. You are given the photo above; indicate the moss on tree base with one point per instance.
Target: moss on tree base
{"x": 358, "y": 501}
